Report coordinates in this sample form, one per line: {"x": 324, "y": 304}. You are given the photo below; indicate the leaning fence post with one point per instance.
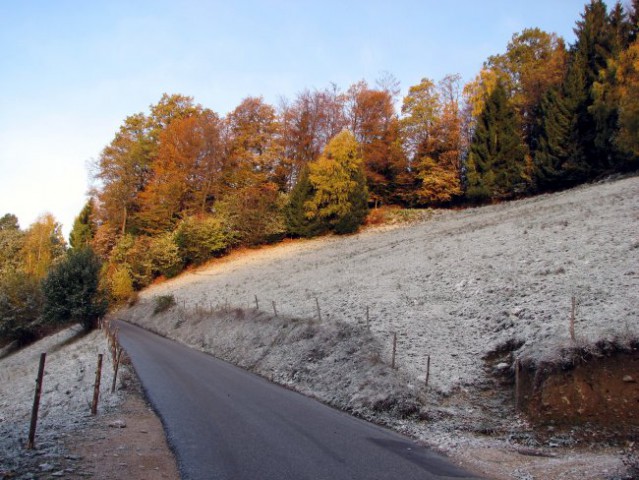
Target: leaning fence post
{"x": 96, "y": 388}
{"x": 115, "y": 369}
{"x": 36, "y": 403}
{"x": 274, "y": 308}
{"x": 257, "y": 303}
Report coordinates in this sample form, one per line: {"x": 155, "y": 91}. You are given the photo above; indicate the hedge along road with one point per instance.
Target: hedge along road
{"x": 226, "y": 423}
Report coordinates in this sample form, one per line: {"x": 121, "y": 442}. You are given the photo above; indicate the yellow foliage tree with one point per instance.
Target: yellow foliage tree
{"x": 43, "y": 243}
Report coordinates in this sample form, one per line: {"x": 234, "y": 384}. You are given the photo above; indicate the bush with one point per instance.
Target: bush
{"x": 163, "y": 303}
{"x": 201, "y": 238}
{"x": 71, "y": 292}
{"x": 165, "y": 256}
{"x": 255, "y": 213}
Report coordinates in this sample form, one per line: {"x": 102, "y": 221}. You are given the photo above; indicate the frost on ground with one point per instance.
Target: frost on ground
{"x": 457, "y": 286}
{"x": 67, "y": 392}
{"x": 455, "y": 289}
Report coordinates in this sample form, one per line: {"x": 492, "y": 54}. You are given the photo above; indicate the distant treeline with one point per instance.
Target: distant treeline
{"x": 181, "y": 184}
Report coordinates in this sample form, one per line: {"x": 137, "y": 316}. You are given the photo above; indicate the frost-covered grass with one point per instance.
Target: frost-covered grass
{"x": 459, "y": 285}
{"x": 335, "y": 362}
{"x": 67, "y": 391}
{"x": 455, "y": 286}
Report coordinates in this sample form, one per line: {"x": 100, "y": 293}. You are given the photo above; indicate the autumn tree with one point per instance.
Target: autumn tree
{"x": 43, "y": 243}
{"x": 124, "y": 167}
{"x": 307, "y": 125}
{"x": 534, "y": 62}
{"x": 340, "y": 196}
{"x": 431, "y": 130}
{"x": 628, "y": 80}
{"x": 252, "y": 143}
{"x": 187, "y": 175}
{"x": 497, "y": 158}
{"x": 122, "y": 172}
{"x": 373, "y": 121}
{"x": 11, "y": 243}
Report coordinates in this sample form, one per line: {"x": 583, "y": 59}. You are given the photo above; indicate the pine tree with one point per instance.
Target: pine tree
{"x": 497, "y": 159}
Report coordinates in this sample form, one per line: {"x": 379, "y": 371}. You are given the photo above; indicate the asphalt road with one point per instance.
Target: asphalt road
{"x": 226, "y": 423}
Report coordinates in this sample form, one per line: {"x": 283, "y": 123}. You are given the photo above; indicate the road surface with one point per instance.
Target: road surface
{"x": 226, "y": 423}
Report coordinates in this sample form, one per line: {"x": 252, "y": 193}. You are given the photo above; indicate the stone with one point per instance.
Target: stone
{"x": 118, "y": 424}
{"x": 628, "y": 379}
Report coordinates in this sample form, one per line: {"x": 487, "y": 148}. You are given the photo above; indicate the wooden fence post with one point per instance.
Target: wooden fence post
{"x": 96, "y": 388}
{"x": 368, "y": 320}
{"x": 257, "y": 304}
{"x": 427, "y": 369}
{"x": 394, "y": 349}
{"x": 36, "y": 403}
{"x": 115, "y": 369}
{"x": 274, "y": 308}
{"x": 319, "y": 312}
{"x": 517, "y": 380}
{"x": 572, "y": 318}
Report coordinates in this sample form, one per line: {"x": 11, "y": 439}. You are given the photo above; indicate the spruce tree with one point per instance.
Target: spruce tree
{"x": 596, "y": 110}
{"x": 496, "y": 163}
{"x": 298, "y": 223}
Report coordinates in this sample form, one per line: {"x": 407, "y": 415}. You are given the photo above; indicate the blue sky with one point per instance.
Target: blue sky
{"x": 71, "y": 71}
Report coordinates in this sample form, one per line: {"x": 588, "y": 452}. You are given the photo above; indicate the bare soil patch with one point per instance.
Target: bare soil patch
{"x": 127, "y": 443}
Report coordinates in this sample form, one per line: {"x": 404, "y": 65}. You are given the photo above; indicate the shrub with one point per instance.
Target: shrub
{"x": 163, "y": 303}
{"x": 200, "y": 238}
{"x": 165, "y": 256}
{"x": 255, "y": 213}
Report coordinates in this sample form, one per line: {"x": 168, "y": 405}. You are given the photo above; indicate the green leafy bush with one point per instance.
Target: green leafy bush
{"x": 255, "y": 213}
{"x": 201, "y": 238}
{"x": 165, "y": 257}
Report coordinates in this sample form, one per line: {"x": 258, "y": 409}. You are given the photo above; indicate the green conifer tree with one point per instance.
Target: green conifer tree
{"x": 497, "y": 159}
{"x": 298, "y": 222}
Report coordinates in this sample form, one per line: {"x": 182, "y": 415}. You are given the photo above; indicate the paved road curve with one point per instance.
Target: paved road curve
{"x": 226, "y": 423}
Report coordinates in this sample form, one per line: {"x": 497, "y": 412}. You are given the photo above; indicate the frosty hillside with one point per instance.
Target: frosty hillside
{"x": 457, "y": 286}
